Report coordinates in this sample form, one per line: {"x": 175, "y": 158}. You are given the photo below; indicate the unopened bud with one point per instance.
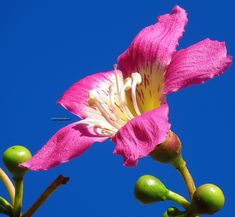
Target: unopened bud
{"x": 13, "y": 156}
{"x": 169, "y": 150}
{"x": 207, "y": 199}
{"x": 149, "y": 189}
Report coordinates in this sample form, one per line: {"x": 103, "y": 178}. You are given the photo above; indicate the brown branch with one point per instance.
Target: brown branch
{"x": 60, "y": 180}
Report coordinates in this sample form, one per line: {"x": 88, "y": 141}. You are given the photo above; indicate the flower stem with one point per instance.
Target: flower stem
{"x": 180, "y": 165}
{"x": 19, "y": 187}
{"x": 178, "y": 199}
{"x": 60, "y": 180}
{"x": 8, "y": 184}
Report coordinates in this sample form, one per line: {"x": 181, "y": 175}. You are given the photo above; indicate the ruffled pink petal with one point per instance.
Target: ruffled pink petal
{"x": 69, "y": 142}
{"x": 141, "y": 135}
{"x": 196, "y": 64}
{"x": 154, "y": 45}
{"x": 75, "y": 99}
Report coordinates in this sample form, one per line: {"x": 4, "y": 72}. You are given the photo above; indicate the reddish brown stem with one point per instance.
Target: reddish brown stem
{"x": 60, "y": 180}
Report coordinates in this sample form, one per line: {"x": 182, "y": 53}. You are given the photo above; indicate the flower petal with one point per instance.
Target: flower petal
{"x": 196, "y": 64}
{"x": 155, "y": 44}
{"x": 75, "y": 99}
{"x": 69, "y": 142}
{"x": 141, "y": 135}
{"x": 150, "y": 53}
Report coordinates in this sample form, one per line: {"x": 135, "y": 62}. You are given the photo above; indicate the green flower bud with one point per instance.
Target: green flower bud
{"x": 165, "y": 214}
{"x": 149, "y": 189}
{"x": 207, "y": 199}
{"x": 173, "y": 212}
{"x": 169, "y": 150}
{"x": 5, "y": 206}
{"x": 14, "y": 156}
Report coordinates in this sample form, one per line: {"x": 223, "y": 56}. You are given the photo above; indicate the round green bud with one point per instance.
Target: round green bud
{"x": 207, "y": 199}
{"x": 165, "y": 214}
{"x": 173, "y": 212}
{"x": 13, "y": 156}
{"x": 149, "y": 189}
{"x": 169, "y": 150}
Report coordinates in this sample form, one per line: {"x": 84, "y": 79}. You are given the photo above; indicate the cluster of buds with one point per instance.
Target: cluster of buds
{"x": 206, "y": 199}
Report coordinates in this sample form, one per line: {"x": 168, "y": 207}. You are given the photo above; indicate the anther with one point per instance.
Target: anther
{"x": 136, "y": 79}
{"x": 92, "y": 95}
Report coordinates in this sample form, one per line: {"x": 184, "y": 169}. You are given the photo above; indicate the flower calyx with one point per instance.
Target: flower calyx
{"x": 169, "y": 150}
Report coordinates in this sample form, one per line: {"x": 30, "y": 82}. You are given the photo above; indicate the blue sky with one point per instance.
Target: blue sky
{"x": 46, "y": 46}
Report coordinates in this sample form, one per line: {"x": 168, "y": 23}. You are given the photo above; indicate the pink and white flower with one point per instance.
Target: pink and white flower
{"x": 128, "y": 105}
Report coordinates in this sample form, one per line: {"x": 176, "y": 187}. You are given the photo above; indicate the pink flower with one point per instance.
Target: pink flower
{"x": 129, "y": 106}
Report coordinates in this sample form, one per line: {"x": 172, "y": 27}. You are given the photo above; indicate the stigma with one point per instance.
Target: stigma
{"x": 119, "y": 105}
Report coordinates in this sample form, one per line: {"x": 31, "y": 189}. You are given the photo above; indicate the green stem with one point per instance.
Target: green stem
{"x": 180, "y": 165}
{"x": 8, "y": 184}
{"x": 5, "y": 207}
{"x": 60, "y": 180}
{"x": 19, "y": 186}
{"x": 178, "y": 199}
